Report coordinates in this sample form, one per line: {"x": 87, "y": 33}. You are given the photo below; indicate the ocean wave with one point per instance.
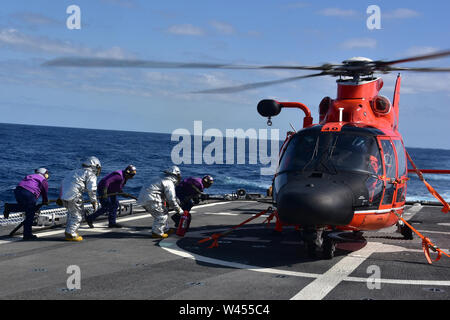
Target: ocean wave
{"x": 246, "y": 183}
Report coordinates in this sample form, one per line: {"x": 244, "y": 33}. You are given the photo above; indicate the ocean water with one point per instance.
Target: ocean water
{"x": 25, "y": 148}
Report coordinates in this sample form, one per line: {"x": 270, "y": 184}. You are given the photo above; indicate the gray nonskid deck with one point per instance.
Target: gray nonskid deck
{"x": 253, "y": 262}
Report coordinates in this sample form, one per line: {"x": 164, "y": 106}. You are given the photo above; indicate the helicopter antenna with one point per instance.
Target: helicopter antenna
{"x": 292, "y": 127}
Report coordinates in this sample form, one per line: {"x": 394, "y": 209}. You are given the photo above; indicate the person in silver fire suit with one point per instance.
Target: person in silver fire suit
{"x": 72, "y": 188}
{"x": 158, "y": 197}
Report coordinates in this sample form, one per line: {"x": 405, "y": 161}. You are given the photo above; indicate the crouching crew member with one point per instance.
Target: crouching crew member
{"x": 158, "y": 197}
{"x": 190, "y": 192}
{"x": 72, "y": 188}
{"x": 27, "y": 193}
{"x": 108, "y": 188}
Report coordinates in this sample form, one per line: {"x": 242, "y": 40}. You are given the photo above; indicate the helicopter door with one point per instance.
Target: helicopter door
{"x": 390, "y": 171}
{"x": 402, "y": 173}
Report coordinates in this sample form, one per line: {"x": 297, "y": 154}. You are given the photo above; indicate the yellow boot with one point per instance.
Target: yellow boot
{"x": 170, "y": 231}
{"x": 159, "y": 236}
{"x": 77, "y": 238}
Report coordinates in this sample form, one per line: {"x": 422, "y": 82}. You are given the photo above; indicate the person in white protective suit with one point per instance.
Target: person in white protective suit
{"x": 158, "y": 197}
{"x": 72, "y": 188}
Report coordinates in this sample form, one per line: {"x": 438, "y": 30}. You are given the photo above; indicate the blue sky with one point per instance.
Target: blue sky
{"x": 243, "y": 32}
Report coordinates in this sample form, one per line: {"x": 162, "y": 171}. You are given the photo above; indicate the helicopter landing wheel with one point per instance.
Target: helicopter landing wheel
{"x": 406, "y": 232}
{"x": 328, "y": 248}
{"x": 313, "y": 241}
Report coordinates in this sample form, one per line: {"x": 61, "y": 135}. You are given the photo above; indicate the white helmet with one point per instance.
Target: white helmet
{"x": 173, "y": 171}
{"x": 94, "y": 163}
{"x": 42, "y": 171}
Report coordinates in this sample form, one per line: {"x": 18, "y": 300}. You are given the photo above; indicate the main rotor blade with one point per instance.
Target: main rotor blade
{"x": 127, "y": 63}
{"x": 420, "y": 69}
{"x": 434, "y": 55}
{"x": 255, "y": 85}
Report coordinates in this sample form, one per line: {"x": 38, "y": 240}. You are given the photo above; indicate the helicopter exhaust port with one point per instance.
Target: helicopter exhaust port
{"x": 270, "y": 108}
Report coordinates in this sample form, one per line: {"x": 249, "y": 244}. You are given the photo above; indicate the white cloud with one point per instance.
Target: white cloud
{"x": 359, "y": 43}
{"x": 419, "y": 83}
{"x": 337, "y": 12}
{"x": 222, "y": 27}
{"x": 17, "y": 40}
{"x": 416, "y": 50}
{"x": 401, "y": 13}
{"x": 186, "y": 29}
{"x": 34, "y": 19}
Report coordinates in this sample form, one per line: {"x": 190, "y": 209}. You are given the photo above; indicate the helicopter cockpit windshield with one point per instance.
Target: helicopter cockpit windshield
{"x": 332, "y": 153}
{"x": 351, "y": 155}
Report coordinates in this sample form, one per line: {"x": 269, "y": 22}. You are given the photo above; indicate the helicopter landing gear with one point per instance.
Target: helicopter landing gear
{"x": 329, "y": 247}
{"x": 405, "y": 231}
{"x": 316, "y": 240}
{"x": 313, "y": 240}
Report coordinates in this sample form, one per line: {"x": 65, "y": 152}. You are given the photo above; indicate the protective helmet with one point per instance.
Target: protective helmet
{"x": 173, "y": 171}
{"x": 94, "y": 163}
{"x": 207, "y": 181}
{"x": 42, "y": 171}
{"x": 130, "y": 171}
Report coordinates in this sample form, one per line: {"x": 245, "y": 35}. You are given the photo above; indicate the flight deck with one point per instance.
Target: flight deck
{"x": 251, "y": 263}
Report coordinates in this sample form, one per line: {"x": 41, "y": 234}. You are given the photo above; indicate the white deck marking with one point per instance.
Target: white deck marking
{"x": 326, "y": 282}
{"x": 350, "y": 263}
{"x": 102, "y": 224}
{"x": 412, "y": 211}
{"x": 171, "y": 246}
{"x": 429, "y": 231}
{"x": 220, "y": 213}
{"x": 445, "y": 224}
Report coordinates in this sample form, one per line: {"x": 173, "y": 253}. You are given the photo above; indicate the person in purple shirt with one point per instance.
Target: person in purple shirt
{"x": 27, "y": 193}
{"x": 189, "y": 192}
{"x": 113, "y": 183}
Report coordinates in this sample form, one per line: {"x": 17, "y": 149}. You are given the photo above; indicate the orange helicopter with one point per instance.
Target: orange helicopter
{"x": 347, "y": 172}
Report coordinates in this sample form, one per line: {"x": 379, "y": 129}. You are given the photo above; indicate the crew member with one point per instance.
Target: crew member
{"x": 108, "y": 189}
{"x": 72, "y": 188}
{"x": 374, "y": 184}
{"x": 158, "y": 197}
{"x": 190, "y": 192}
{"x": 27, "y": 193}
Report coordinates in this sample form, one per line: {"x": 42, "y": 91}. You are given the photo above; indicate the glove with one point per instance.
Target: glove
{"x": 179, "y": 210}
{"x": 94, "y": 205}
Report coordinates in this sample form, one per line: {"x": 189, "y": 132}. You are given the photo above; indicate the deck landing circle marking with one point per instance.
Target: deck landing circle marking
{"x": 170, "y": 245}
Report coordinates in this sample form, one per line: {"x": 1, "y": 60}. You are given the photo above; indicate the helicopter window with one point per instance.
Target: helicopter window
{"x": 389, "y": 159}
{"x": 400, "y": 195}
{"x": 391, "y": 168}
{"x": 299, "y": 152}
{"x": 356, "y": 153}
{"x": 401, "y": 158}
{"x": 330, "y": 153}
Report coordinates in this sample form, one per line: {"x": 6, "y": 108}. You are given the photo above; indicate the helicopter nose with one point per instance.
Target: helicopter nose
{"x": 315, "y": 202}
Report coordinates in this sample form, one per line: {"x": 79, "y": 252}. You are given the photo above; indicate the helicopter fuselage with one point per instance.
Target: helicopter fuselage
{"x": 348, "y": 171}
